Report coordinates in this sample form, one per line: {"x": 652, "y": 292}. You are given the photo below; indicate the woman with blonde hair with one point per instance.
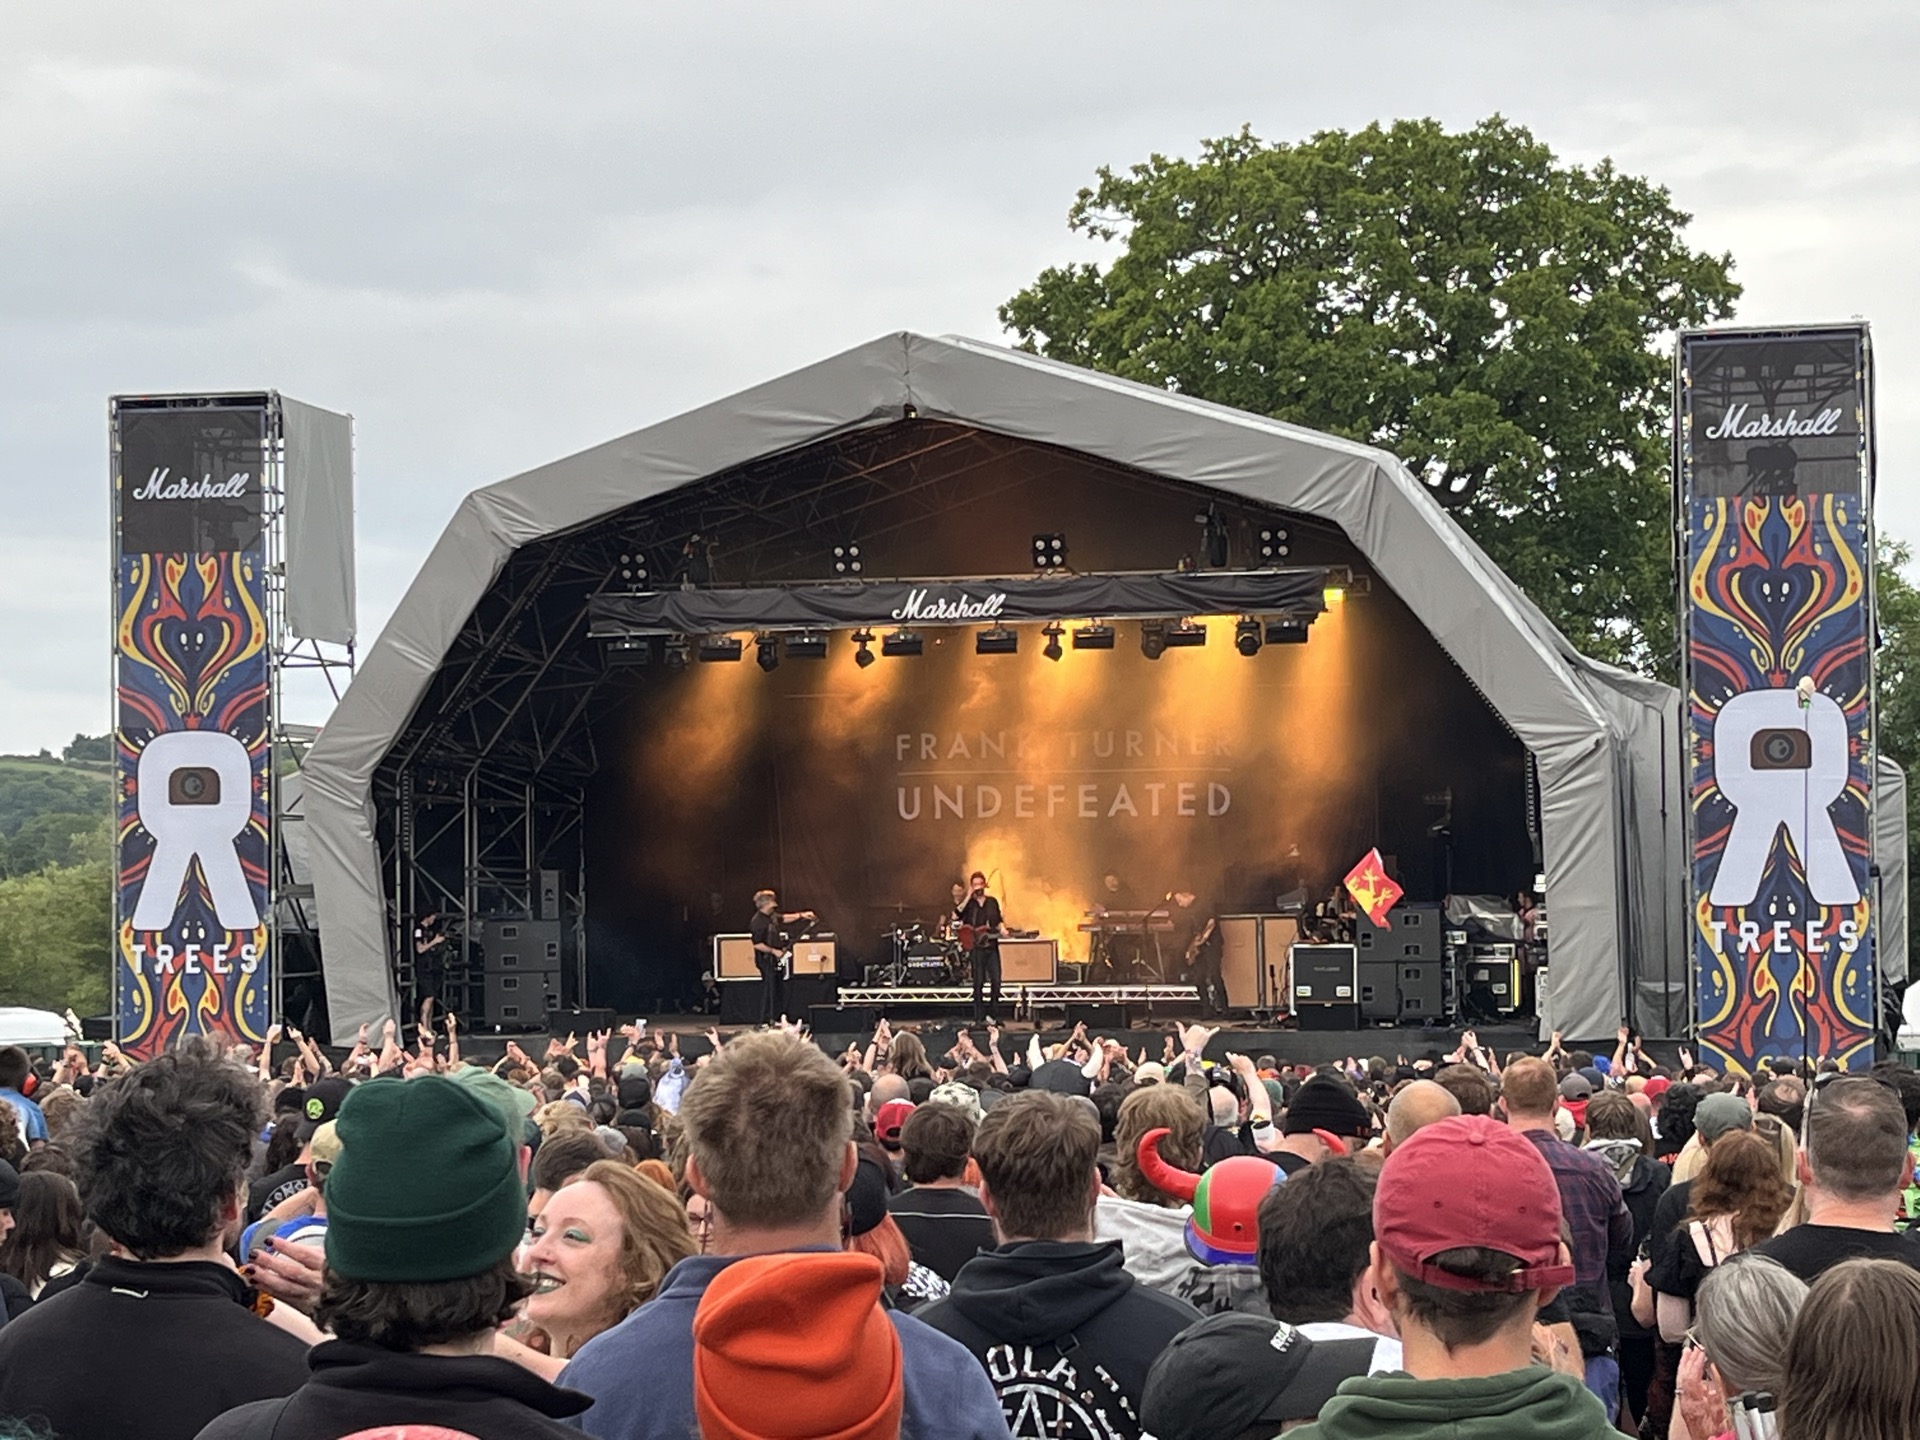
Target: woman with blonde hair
{"x": 596, "y": 1254}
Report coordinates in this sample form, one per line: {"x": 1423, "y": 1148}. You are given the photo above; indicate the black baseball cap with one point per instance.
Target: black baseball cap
{"x": 321, "y": 1105}
{"x": 1232, "y": 1373}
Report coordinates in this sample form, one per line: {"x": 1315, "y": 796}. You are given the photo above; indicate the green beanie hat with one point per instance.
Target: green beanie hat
{"x": 427, "y": 1186}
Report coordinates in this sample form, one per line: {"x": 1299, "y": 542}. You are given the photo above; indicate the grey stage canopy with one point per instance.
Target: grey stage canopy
{"x": 1603, "y": 741}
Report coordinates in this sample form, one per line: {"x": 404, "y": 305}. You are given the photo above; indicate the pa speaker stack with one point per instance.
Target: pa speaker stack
{"x": 520, "y": 969}
{"x": 1402, "y": 966}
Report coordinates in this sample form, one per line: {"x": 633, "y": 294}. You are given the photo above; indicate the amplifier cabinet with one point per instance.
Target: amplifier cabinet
{"x": 1325, "y": 975}
{"x": 814, "y": 957}
{"x": 733, "y": 958}
{"x": 1028, "y": 962}
{"x": 521, "y": 996}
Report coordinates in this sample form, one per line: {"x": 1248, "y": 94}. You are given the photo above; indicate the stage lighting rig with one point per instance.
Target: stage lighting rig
{"x": 630, "y": 650}
{"x": 846, "y": 560}
{"x": 1093, "y": 637}
{"x": 1274, "y": 543}
{"x": 1288, "y": 629}
{"x": 721, "y": 647}
{"x": 766, "y": 653}
{"x": 1050, "y": 552}
{"x": 997, "y": 640}
{"x": 1246, "y": 636}
{"x": 1153, "y": 638}
{"x": 807, "y": 645}
{"x": 902, "y": 642}
{"x": 863, "y": 655}
{"x": 678, "y": 652}
{"x": 633, "y": 571}
{"x": 1186, "y": 635}
{"x": 1053, "y": 632}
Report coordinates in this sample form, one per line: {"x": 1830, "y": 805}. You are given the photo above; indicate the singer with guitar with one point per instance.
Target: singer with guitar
{"x": 1201, "y": 930}
{"x": 980, "y": 927}
{"x": 772, "y": 952}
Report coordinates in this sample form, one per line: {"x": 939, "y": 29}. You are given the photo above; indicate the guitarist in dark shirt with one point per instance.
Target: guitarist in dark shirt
{"x": 980, "y": 929}
{"x": 1196, "y": 924}
{"x": 771, "y": 950}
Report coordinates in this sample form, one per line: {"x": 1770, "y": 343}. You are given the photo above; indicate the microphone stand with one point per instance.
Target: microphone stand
{"x": 1159, "y": 958}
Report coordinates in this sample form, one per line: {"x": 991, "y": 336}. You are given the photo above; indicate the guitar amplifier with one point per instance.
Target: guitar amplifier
{"x": 818, "y": 956}
{"x": 733, "y": 958}
{"x": 1325, "y": 975}
{"x": 1028, "y": 961}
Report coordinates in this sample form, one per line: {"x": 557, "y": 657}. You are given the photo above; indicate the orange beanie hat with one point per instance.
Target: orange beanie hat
{"x": 796, "y": 1347}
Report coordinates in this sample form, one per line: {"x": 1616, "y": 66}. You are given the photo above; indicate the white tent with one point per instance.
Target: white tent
{"x": 1603, "y": 742}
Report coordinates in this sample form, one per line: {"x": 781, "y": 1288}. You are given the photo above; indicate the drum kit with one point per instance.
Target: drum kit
{"x": 920, "y": 957}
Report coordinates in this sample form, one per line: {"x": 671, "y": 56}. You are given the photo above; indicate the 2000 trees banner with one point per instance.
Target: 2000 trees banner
{"x": 1774, "y": 469}
{"x": 192, "y": 730}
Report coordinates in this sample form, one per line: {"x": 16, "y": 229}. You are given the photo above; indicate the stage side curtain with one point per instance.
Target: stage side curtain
{"x": 1890, "y": 854}
{"x": 319, "y": 559}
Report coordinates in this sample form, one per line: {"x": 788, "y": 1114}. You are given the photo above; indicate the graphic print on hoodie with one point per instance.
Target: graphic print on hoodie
{"x": 1066, "y": 1335}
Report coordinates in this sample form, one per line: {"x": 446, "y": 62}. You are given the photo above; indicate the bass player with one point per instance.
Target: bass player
{"x": 772, "y": 951}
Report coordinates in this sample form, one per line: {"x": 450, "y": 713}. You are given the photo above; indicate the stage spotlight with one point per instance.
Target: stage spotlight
{"x": 1186, "y": 635}
{"x": 1153, "y": 638}
{"x": 902, "y": 642}
{"x": 807, "y": 645}
{"x": 863, "y": 656}
{"x": 1288, "y": 630}
{"x": 1049, "y": 552}
{"x": 766, "y": 653}
{"x": 1273, "y": 543}
{"x": 677, "y": 652}
{"x": 846, "y": 560}
{"x": 630, "y": 650}
{"x": 633, "y": 571}
{"x": 1093, "y": 637}
{"x": 1246, "y": 636}
{"x": 1053, "y": 632}
{"x": 998, "y": 640}
{"x": 721, "y": 647}
{"x": 1334, "y": 595}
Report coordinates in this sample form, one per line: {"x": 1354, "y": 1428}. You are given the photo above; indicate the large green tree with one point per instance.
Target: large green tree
{"x": 1498, "y": 319}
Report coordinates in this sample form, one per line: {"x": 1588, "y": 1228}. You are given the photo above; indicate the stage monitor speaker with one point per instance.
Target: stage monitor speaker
{"x": 1099, "y": 1019}
{"x": 816, "y": 956}
{"x": 1325, "y": 975}
{"x": 580, "y": 1020}
{"x": 860, "y": 1020}
{"x": 1379, "y": 988}
{"x": 1240, "y": 967}
{"x": 517, "y": 944}
{"x": 733, "y": 958}
{"x": 1423, "y": 991}
{"x": 549, "y": 896}
{"x": 521, "y": 997}
{"x": 1328, "y": 1017}
{"x": 1028, "y": 962}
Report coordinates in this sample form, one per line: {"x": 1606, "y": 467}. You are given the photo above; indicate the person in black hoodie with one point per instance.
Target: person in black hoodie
{"x": 1618, "y": 1134}
{"x": 160, "y": 1337}
{"x": 424, "y": 1208}
{"x": 1066, "y": 1336}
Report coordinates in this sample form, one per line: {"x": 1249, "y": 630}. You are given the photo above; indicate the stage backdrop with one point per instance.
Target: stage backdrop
{"x": 1775, "y": 457}
{"x": 192, "y": 690}
{"x": 865, "y": 793}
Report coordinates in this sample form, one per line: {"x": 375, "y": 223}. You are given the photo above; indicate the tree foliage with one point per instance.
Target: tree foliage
{"x": 56, "y": 937}
{"x": 1897, "y": 678}
{"x": 1498, "y": 319}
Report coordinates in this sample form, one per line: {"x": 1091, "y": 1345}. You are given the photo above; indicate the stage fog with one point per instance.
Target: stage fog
{"x": 865, "y": 793}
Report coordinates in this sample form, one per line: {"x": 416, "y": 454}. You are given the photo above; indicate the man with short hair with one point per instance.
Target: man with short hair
{"x": 1468, "y": 1085}
{"x": 1062, "y": 1329}
{"x": 161, "y": 1156}
{"x": 1316, "y": 1242}
{"x": 945, "y": 1224}
{"x": 1594, "y": 1208}
{"x": 1416, "y": 1105}
{"x": 1853, "y": 1168}
{"x": 1466, "y": 1252}
{"x": 769, "y": 1132}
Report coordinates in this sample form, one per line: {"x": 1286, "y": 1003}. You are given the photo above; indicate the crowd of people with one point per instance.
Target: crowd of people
{"x": 1065, "y": 1241}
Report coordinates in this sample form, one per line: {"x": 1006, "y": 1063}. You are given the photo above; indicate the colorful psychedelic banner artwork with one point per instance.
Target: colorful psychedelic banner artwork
{"x": 192, "y": 690}
{"x": 1775, "y": 484}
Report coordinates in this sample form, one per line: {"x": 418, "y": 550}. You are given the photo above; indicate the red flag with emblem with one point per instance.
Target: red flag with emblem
{"x": 1373, "y": 890}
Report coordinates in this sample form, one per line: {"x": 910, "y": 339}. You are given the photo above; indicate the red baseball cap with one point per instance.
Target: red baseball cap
{"x": 1657, "y": 1085}
{"x": 1465, "y": 1182}
{"x": 887, "y": 1123}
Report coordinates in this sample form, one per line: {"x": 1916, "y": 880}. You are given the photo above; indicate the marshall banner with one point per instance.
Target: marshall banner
{"x": 192, "y": 700}
{"x": 1775, "y": 488}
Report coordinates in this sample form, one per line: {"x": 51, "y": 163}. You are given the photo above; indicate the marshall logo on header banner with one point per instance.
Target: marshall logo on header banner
{"x": 192, "y": 741}
{"x": 1775, "y": 492}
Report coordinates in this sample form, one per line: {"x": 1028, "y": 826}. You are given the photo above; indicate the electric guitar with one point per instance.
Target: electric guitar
{"x": 1206, "y": 934}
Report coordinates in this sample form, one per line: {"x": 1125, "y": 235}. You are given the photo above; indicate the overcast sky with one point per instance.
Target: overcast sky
{"x": 497, "y": 234}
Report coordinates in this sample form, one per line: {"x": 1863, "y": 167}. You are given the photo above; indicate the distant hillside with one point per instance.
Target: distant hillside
{"x": 50, "y": 809}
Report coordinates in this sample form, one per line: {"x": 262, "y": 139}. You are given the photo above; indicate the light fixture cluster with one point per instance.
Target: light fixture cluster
{"x": 846, "y": 560}
{"x": 1275, "y": 543}
{"x": 1050, "y": 552}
